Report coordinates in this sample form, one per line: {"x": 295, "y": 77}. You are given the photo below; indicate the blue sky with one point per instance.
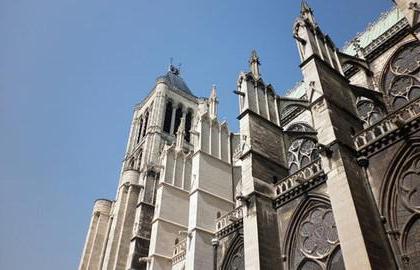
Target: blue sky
{"x": 71, "y": 71}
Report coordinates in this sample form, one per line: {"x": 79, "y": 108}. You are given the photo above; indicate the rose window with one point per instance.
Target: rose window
{"x": 318, "y": 234}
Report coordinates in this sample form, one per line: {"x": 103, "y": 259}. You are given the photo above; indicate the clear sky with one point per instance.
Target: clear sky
{"x": 71, "y": 71}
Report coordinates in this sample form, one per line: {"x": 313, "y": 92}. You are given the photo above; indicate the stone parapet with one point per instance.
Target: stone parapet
{"x": 229, "y": 222}
{"x": 373, "y": 135}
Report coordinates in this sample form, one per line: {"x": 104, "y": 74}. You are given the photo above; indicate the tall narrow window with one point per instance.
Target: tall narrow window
{"x": 188, "y": 120}
{"x": 139, "y": 131}
{"x": 146, "y": 119}
{"x": 168, "y": 117}
{"x": 178, "y": 115}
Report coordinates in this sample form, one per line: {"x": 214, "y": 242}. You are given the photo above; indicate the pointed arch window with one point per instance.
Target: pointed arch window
{"x": 178, "y": 115}
{"x": 168, "y": 117}
{"x": 146, "y": 120}
{"x": 401, "y": 206}
{"x": 313, "y": 239}
{"x": 368, "y": 112}
{"x": 401, "y": 78}
{"x": 188, "y": 123}
{"x": 234, "y": 258}
{"x": 139, "y": 130}
{"x": 301, "y": 153}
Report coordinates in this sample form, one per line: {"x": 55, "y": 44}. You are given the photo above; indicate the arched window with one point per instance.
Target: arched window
{"x": 178, "y": 115}
{"x": 312, "y": 241}
{"x": 188, "y": 120}
{"x": 139, "y": 130}
{"x": 234, "y": 258}
{"x": 401, "y": 78}
{"x": 301, "y": 153}
{"x": 400, "y": 203}
{"x": 168, "y": 117}
{"x": 139, "y": 159}
{"x": 368, "y": 112}
{"x": 146, "y": 120}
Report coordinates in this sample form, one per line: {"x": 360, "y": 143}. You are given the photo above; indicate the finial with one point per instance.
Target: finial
{"x": 213, "y": 102}
{"x": 304, "y": 7}
{"x": 254, "y": 57}
{"x": 307, "y": 13}
{"x": 213, "y": 93}
{"x": 254, "y": 63}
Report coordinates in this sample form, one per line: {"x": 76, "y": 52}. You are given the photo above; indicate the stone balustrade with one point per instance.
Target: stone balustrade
{"x": 299, "y": 178}
{"x": 180, "y": 250}
{"x": 387, "y": 125}
{"x": 229, "y": 221}
{"x": 296, "y": 184}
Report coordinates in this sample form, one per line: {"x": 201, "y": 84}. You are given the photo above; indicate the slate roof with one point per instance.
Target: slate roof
{"x": 173, "y": 79}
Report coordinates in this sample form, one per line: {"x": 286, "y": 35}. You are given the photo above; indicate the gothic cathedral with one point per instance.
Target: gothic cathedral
{"x": 324, "y": 178}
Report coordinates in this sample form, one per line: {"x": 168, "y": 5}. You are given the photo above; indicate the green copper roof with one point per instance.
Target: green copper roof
{"x": 297, "y": 92}
{"x": 376, "y": 29}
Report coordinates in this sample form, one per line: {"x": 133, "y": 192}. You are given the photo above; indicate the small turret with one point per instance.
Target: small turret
{"x": 254, "y": 65}
{"x": 311, "y": 41}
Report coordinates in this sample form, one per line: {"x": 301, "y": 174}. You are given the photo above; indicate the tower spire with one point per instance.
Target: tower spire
{"x": 254, "y": 64}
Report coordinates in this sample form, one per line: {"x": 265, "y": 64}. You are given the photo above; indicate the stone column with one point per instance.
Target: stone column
{"x": 215, "y": 244}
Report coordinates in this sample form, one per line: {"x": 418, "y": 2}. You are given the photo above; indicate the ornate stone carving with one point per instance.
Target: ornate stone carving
{"x": 401, "y": 79}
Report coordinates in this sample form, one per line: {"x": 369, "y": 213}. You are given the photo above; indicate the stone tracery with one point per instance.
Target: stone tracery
{"x": 402, "y": 208}
{"x": 315, "y": 243}
{"x": 401, "y": 79}
{"x": 369, "y": 112}
{"x": 301, "y": 153}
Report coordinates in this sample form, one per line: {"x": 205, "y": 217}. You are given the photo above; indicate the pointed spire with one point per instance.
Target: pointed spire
{"x": 304, "y": 7}
{"x": 213, "y": 101}
{"x": 307, "y": 13}
{"x": 180, "y": 134}
{"x": 213, "y": 94}
{"x": 254, "y": 64}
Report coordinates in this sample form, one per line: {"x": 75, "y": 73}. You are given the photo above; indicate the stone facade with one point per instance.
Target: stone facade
{"x": 326, "y": 177}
